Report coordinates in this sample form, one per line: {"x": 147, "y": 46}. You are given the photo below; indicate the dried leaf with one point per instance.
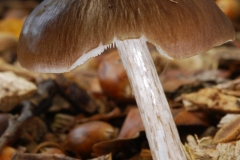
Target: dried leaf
{"x": 120, "y": 148}
{"x": 186, "y": 118}
{"x": 116, "y": 112}
{"x": 227, "y": 119}
{"x": 132, "y": 124}
{"x": 229, "y": 132}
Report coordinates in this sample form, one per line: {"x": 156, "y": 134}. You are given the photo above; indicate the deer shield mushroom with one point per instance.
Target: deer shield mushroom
{"x": 62, "y": 34}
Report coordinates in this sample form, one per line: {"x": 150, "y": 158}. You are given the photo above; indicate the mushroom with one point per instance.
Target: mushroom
{"x": 62, "y": 34}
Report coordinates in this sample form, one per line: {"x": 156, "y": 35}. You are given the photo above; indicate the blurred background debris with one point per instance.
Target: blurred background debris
{"x": 90, "y": 112}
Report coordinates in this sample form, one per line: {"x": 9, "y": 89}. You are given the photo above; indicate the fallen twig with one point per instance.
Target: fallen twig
{"x": 14, "y": 124}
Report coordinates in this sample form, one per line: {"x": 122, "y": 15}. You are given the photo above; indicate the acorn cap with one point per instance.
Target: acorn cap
{"x": 62, "y": 34}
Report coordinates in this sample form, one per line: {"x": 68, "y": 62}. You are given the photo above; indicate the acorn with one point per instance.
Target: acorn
{"x": 230, "y": 7}
{"x": 81, "y": 139}
{"x": 113, "y": 78}
{"x": 7, "y": 153}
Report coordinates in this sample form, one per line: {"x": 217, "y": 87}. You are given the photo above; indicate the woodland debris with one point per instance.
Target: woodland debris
{"x": 19, "y": 13}
{"x": 81, "y": 139}
{"x": 62, "y": 123}
{"x": 77, "y": 96}
{"x": 7, "y": 153}
{"x": 227, "y": 119}
{"x": 86, "y": 79}
{"x": 230, "y": 8}
{"x": 204, "y": 149}
{"x": 187, "y": 118}
{"x": 116, "y": 112}
{"x": 39, "y": 103}
{"x": 145, "y": 154}
{"x": 230, "y": 85}
{"x": 12, "y": 26}
{"x": 19, "y": 4}
{"x": 49, "y": 148}
{"x": 13, "y": 90}
{"x": 26, "y": 156}
{"x": 17, "y": 70}
{"x": 32, "y": 132}
{"x": 132, "y": 125}
{"x": 213, "y": 99}
{"x": 8, "y": 47}
{"x": 57, "y": 104}
{"x": 182, "y": 81}
{"x": 113, "y": 78}
{"x": 121, "y": 147}
{"x": 3, "y": 122}
{"x": 229, "y": 132}
{"x": 104, "y": 157}
{"x": 7, "y": 42}
{"x": 14, "y": 124}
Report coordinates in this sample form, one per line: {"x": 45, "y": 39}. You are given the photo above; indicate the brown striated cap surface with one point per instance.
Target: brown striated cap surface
{"x": 60, "y": 32}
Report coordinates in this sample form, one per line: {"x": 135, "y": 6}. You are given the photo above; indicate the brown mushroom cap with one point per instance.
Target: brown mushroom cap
{"x": 61, "y": 34}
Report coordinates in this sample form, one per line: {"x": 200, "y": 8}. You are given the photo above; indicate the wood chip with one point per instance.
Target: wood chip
{"x": 221, "y": 151}
{"x": 13, "y": 90}
{"x": 214, "y": 99}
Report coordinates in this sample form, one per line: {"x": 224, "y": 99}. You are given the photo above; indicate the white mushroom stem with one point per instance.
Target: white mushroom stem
{"x": 160, "y": 128}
